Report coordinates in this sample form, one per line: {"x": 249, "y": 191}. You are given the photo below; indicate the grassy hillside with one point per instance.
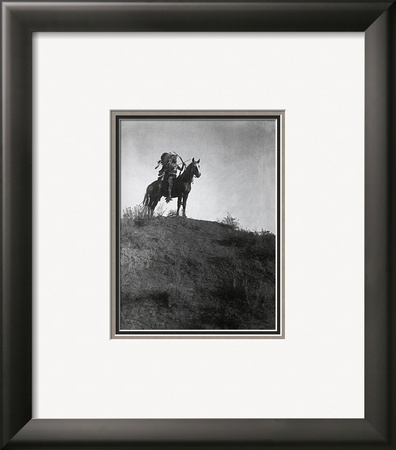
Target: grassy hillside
{"x": 192, "y": 274}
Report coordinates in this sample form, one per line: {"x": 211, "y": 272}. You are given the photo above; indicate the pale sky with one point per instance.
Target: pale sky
{"x": 238, "y": 165}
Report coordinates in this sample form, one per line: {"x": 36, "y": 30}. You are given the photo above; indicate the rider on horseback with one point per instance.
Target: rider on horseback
{"x": 169, "y": 170}
{"x": 182, "y": 186}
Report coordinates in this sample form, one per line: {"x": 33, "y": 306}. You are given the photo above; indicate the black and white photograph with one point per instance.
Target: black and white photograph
{"x": 197, "y": 223}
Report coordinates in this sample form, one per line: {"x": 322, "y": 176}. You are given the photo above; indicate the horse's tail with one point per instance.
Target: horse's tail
{"x": 146, "y": 199}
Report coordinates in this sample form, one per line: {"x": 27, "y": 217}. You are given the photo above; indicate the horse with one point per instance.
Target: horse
{"x": 180, "y": 189}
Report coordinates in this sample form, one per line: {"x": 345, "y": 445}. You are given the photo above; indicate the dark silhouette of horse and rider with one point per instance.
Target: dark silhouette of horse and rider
{"x": 169, "y": 185}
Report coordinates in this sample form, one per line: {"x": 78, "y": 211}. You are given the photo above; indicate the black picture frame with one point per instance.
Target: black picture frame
{"x": 377, "y": 19}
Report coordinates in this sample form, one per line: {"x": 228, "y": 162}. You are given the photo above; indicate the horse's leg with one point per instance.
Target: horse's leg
{"x": 179, "y": 202}
{"x": 154, "y": 204}
{"x": 185, "y": 196}
{"x": 152, "y": 197}
{"x": 151, "y": 207}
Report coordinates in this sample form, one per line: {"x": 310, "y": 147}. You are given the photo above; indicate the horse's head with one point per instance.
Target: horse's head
{"x": 195, "y": 169}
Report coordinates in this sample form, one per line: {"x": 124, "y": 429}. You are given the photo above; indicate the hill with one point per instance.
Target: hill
{"x": 193, "y": 274}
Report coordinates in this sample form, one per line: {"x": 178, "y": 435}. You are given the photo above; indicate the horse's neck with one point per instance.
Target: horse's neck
{"x": 187, "y": 175}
